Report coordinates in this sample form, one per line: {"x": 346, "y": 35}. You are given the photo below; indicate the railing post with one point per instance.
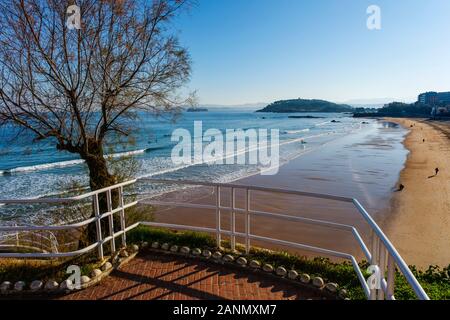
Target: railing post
{"x": 111, "y": 221}
{"x": 247, "y": 221}
{"x": 122, "y": 218}
{"x": 382, "y": 267}
{"x": 98, "y": 226}
{"x": 233, "y": 220}
{"x": 390, "y": 277}
{"x": 218, "y": 227}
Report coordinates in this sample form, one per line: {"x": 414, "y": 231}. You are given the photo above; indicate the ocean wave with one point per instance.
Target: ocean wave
{"x": 68, "y": 163}
{"x": 296, "y": 131}
{"x": 322, "y": 123}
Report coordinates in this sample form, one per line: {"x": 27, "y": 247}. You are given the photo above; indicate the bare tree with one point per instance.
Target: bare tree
{"x": 78, "y": 87}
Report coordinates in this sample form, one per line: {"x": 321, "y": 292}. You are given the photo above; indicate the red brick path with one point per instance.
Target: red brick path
{"x": 152, "y": 276}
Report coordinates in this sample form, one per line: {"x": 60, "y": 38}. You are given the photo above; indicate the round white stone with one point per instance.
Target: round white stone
{"x": 318, "y": 282}
{"x": 343, "y": 293}
{"x": 85, "y": 279}
{"x": 217, "y": 255}
{"x": 51, "y": 285}
{"x": 95, "y": 273}
{"x": 36, "y": 285}
{"x": 267, "y": 268}
{"x": 135, "y": 248}
{"x": 196, "y": 252}
{"x": 174, "y": 248}
{"x": 305, "y": 278}
{"x": 228, "y": 258}
{"x": 19, "y": 286}
{"x": 241, "y": 261}
{"x": 66, "y": 285}
{"x": 144, "y": 244}
{"x": 255, "y": 264}
{"x": 281, "y": 271}
{"x": 155, "y": 245}
{"x": 5, "y": 286}
{"x": 206, "y": 253}
{"x": 332, "y": 287}
{"x": 106, "y": 266}
{"x": 185, "y": 250}
{"x": 165, "y": 246}
{"x": 292, "y": 274}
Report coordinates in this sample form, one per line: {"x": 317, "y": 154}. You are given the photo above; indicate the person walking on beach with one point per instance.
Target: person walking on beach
{"x": 437, "y": 171}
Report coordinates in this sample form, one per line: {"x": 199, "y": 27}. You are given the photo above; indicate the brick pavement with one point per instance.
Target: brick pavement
{"x": 152, "y": 276}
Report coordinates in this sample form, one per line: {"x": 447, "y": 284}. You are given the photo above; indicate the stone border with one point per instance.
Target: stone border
{"x": 330, "y": 289}
{"x": 38, "y": 288}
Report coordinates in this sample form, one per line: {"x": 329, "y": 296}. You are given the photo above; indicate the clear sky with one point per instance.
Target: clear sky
{"x": 247, "y": 51}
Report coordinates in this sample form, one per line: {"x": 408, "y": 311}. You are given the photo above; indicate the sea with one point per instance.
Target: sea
{"x": 32, "y": 169}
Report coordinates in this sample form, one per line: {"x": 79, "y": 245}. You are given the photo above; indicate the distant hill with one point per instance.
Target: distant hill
{"x": 303, "y": 105}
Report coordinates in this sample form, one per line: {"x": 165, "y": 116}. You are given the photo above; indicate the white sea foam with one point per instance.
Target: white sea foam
{"x": 322, "y": 123}
{"x": 296, "y": 131}
{"x": 68, "y": 163}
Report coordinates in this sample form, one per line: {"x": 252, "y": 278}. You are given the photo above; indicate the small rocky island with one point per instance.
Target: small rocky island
{"x": 305, "y": 105}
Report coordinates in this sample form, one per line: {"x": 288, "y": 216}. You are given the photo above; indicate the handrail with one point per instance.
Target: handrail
{"x": 67, "y": 226}
{"x": 394, "y": 253}
{"x": 68, "y": 199}
{"x": 324, "y": 223}
{"x": 377, "y": 256}
{"x": 255, "y": 188}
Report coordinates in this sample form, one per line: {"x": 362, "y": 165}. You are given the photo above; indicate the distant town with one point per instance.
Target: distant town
{"x": 434, "y": 104}
{"x": 440, "y": 101}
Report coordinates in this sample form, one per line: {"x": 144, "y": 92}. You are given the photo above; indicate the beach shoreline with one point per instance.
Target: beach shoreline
{"x": 418, "y": 222}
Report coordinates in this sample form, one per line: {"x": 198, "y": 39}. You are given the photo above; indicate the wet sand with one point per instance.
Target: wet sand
{"x": 365, "y": 165}
{"x": 420, "y": 214}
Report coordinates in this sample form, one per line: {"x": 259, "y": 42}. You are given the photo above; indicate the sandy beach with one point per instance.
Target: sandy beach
{"x": 419, "y": 224}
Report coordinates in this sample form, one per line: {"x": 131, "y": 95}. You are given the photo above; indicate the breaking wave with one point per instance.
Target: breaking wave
{"x": 68, "y": 163}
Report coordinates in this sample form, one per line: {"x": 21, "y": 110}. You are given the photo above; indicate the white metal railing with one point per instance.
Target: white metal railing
{"x": 382, "y": 254}
{"x": 98, "y": 216}
{"x": 44, "y": 241}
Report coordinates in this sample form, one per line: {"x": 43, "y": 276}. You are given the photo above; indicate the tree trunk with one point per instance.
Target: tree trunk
{"x": 100, "y": 178}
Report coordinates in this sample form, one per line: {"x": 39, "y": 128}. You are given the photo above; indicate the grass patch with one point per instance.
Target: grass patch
{"x": 192, "y": 239}
{"x": 29, "y": 270}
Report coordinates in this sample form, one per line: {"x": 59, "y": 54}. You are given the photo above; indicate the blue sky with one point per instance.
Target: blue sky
{"x": 247, "y": 51}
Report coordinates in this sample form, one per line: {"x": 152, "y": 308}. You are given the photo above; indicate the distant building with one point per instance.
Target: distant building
{"x": 444, "y": 97}
{"x": 434, "y": 98}
{"x": 429, "y": 98}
